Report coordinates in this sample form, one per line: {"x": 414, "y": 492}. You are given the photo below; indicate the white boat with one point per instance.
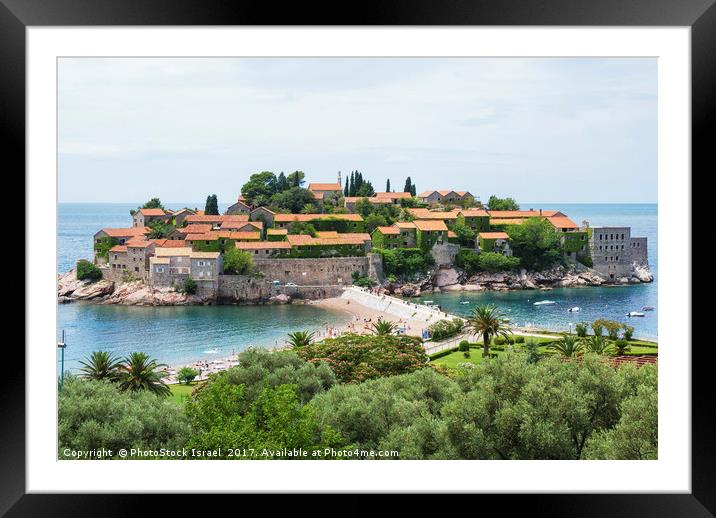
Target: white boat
{"x": 544, "y": 303}
{"x": 428, "y": 302}
{"x": 465, "y": 302}
{"x": 211, "y": 351}
{"x": 635, "y": 314}
{"x": 575, "y": 309}
{"x": 648, "y": 308}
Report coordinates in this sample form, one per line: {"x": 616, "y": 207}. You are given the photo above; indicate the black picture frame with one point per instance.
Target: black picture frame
{"x": 700, "y": 15}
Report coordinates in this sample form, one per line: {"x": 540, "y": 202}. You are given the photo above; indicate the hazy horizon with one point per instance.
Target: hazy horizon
{"x": 554, "y": 130}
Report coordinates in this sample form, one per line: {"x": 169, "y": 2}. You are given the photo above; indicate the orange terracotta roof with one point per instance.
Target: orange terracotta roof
{"x": 429, "y": 225}
{"x": 126, "y": 232}
{"x": 152, "y": 212}
{"x": 202, "y": 218}
{"x": 264, "y": 245}
{"x": 209, "y": 236}
{"x": 242, "y": 235}
{"x": 341, "y": 239}
{"x": 284, "y": 218}
{"x": 393, "y": 195}
{"x": 451, "y": 233}
{"x": 196, "y": 228}
{"x": 405, "y": 225}
{"x": 327, "y": 233}
{"x": 263, "y": 209}
{"x": 494, "y": 235}
{"x": 506, "y": 221}
{"x": 445, "y": 193}
{"x": 170, "y": 243}
{"x": 431, "y": 214}
{"x": 324, "y": 187}
{"x": 425, "y": 194}
{"x": 473, "y": 213}
{"x": 239, "y": 225}
{"x": 118, "y": 248}
{"x": 522, "y": 213}
{"x": 137, "y": 242}
{"x": 562, "y": 222}
{"x": 277, "y": 231}
{"x": 393, "y": 231}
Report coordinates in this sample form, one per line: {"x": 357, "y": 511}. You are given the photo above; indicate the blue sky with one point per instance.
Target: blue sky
{"x": 536, "y": 129}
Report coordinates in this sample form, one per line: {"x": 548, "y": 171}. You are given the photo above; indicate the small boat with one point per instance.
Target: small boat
{"x": 575, "y": 309}
{"x": 648, "y": 308}
{"x": 544, "y": 303}
{"x": 428, "y": 302}
{"x": 211, "y": 351}
{"x": 635, "y": 314}
{"x": 465, "y": 302}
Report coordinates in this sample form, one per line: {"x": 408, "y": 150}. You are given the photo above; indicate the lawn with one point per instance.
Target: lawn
{"x": 181, "y": 392}
{"x": 451, "y": 360}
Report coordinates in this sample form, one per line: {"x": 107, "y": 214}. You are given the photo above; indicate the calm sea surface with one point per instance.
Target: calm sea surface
{"x": 182, "y": 334}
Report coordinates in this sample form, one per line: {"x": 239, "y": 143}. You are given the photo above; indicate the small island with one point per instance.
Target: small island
{"x": 282, "y": 242}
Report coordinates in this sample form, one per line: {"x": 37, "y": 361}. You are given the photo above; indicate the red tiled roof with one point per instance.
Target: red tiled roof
{"x": 238, "y": 225}
{"x": 118, "y": 248}
{"x": 562, "y": 222}
{"x": 126, "y": 232}
{"x": 405, "y": 224}
{"x": 473, "y": 213}
{"x": 285, "y": 218}
{"x": 277, "y": 231}
{"x": 522, "y": 213}
{"x": 196, "y": 228}
{"x": 494, "y": 235}
{"x": 506, "y": 221}
{"x": 429, "y": 225}
{"x": 341, "y": 239}
{"x": 393, "y": 195}
{"x": 203, "y": 218}
{"x": 152, "y": 212}
{"x": 324, "y": 187}
{"x": 431, "y": 214}
{"x": 393, "y": 231}
{"x": 170, "y": 243}
{"x": 209, "y": 236}
{"x": 263, "y": 245}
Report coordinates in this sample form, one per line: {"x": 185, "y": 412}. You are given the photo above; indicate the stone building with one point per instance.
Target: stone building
{"x": 143, "y": 217}
{"x": 263, "y": 215}
{"x": 615, "y": 253}
{"x": 238, "y": 208}
{"x": 170, "y": 266}
{"x": 434, "y": 197}
{"x": 498, "y": 242}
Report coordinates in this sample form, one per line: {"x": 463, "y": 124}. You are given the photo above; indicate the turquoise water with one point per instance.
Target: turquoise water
{"x": 182, "y": 334}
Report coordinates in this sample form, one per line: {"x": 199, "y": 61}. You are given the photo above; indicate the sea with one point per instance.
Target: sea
{"x": 180, "y": 335}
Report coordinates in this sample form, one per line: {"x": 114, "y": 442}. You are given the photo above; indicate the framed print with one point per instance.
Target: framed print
{"x": 458, "y": 239}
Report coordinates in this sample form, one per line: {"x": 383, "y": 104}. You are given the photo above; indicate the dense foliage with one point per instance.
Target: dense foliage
{"x": 473, "y": 262}
{"x": 88, "y": 271}
{"x": 403, "y": 262}
{"x": 238, "y": 262}
{"x": 495, "y": 203}
{"x": 212, "y": 205}
{"x": 98, "y": 414}
{"x": 189, "y": 286}
{"x": 159, "y": 229}
{"x": 154, "y": 203}
{"x": 443, "y": 329}
{"x": 537, "y": 243}
{"x": 356, "y": 358}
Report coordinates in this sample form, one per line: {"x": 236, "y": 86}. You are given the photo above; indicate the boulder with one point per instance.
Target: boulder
{"x": 642, "y": 273}
{"x": 280, "y": 299}
{"x": 446, "y": 277}
{"x": 93, "y": 290}
{"x": 409, "y": 290}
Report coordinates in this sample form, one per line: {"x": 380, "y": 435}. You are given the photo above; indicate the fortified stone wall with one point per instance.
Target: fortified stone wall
{"x": 639, "y": 251}
{"x": 249, "y": 289}
{"x": 313, "y": 272}
{"x": 444, "y": 254}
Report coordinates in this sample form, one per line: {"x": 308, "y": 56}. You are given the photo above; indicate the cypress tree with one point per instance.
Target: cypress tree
{"x": 387, "y": 185}
{"x": 408, "y": 186}
{"x": 346, "y": 191}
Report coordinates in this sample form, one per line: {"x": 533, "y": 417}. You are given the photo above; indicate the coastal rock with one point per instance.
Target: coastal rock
{"x": 93, "y": 290}
{"x": 472, "y": 287}
{"x": 280, "y": 299}
{"x": 139, "y": 294}
{"x": 408, "y": 290}
{"x": 453, "y": 287}
{"x": 446, "y": 277}
{"x": 642, "y": 273}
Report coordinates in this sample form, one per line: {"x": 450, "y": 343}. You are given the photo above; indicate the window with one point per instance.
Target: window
{"x": 622, "y": 236}
{"x": 160, "y": 269}
{"x": 136, "y": 268}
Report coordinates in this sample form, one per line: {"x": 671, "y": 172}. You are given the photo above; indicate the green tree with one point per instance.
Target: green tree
{"x": 88, "y": 271}
{"x": 536, "y": 242}
{"x": 300, "y": 338}
{"x": 97, "y": 414}
{"x": 346, "y": 189}
{"x": 489, "y": 322}
{"x": 293, "y": 199}
{"x": 140, "y": 372}
{"x": 568, "y": 346}
{"x": 282, "y": 183}
{"x": 365, "y": 190}
{"x": 581, "y": 329}
{"x": 383, "y": 327}
{"x": 259, "y": 189}
{"x": 387, "y": 185}
{"x": 158, "y": 229}
{"x": 296, "y": 179}
{"x": 495, "y": 203}
{"x": 597, "y": 345}
{"x": 189, "y": 286}
{"x": 154, "y": 203}
{"x": 186, "y": 375}
{"x": 408, "y": 186}
{"x": 212, "y": 205}
{"x": 301, "y": 227}
{"x": 101, "y": 365}
{"x": 373, "y": 221}
{"x": 238, "y": 262}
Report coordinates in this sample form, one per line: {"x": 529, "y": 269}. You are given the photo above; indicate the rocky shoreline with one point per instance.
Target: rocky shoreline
{"x": 572, "y": 276}
{"x": 136, "y": 293}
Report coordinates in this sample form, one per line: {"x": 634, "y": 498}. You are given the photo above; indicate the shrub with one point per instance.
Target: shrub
{"x": 519, "y": 339}
{"x": 189, "y": 286}
{"x": 581, "y": 329}
{"x": 238, "y": 262}
{"x": 356, "y": 358}
{"x": 628, "y": 332}
{"x": 443, "y": 329}
{"x": 186, "y": 375}
{"x": 586, "y": 260}
{"x": 87, "y": 270}
{"x": 362, "y": 280}
{"x": 466, "y": 354}
{"x": 405, "y": 261}
{"x": 598, "y": 328}
{"x": 463, "y": 346}
{"x": 500, "y": 340}
{"x": 621, "y": 347}
{"x": 495, "y": 262}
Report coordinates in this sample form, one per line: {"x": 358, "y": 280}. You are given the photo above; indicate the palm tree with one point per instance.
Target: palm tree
{"x": 140, "y": 372}
{"x": 489, "y": 322}
{"x": 300, "y": 338}
{"x": 383, "y": 327}
{"x": 597, "y": 344}
{"x": 101, "y": 366}
{"x": 569, "y": 346}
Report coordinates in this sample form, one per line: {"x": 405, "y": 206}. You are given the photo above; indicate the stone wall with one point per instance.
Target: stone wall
{"x": 248, "y": 289}
{"x": 639, "y": 251}
{"x": 444, "y": 254}
{"x": 313, "y": 272}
